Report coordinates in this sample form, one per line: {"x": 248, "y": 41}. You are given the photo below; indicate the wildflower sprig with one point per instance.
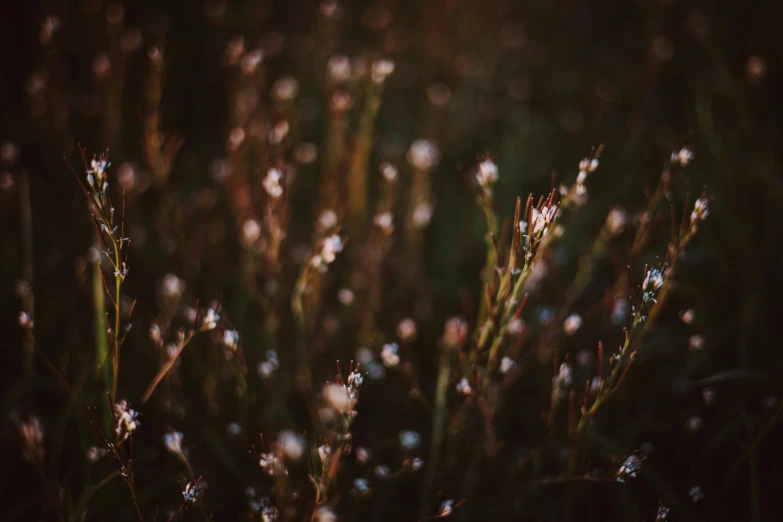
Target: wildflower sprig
{"x": 645, "y": 306}
{"x": 126, "y": 422}
{"x": 115, "y": 247}
{"x": 341, "y": 398}
{"x": 208, "y": 322}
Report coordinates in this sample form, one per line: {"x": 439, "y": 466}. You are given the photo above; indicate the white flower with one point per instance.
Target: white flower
{"x": 463, "y": 387}
{"x": 31, "y": 432}
{"x": 172, "y": 286}
{"x": 487, "y": 174}
{"x": 272, "y": 183}
{"x": 515, "y": 326}
{"x": 572, "y": 324}
{"x": 125, "y": 419}
{"x": 653, "y": 280}
{"x": 422, "y": 214}
{"x": 327, "y": 220}
{"x": 683, "y": 157}
{"x": 324, "y": 514}
{"x": 409, "y": 440}
{"x": 381, "y": 69}
{"x": 329, "y": 249}
{"x": 423, "y": 154}
{"x": 94, "y": 453}
{"x": 231, "y": 339}
{"x": 630, "y": 467}
{"x": 616, "y": 220}
{"x": 701, "y": 209}
{"x": 338, "y": 397}
{"x": 285, "y": 89}
{"x": 362, "y": 455}
{"x": 324, "y": 452}
{"x": 382, "y": 471}
{"x": 361, "y": 486}
{"x": 696, "y": 343}
{"x": 25, "y": 320}
{"x": 209, "y": 322}
{"x": 291, "y": 444}
{"x": 388, "y": 171}
{"x": 268, "y": 367}
{"x": 251, "y": 231}
{"x": 696, "y": 494}
{"x": 563, "y": 379}
{"x": 192, "y": 491}
{"x": 506, "y": 364}
{"x": 446, "y": 509}
{"x": 687, "y": 316}
{"x": 271, "y": 464}
{"x": 389, "y": 355}
{"x": 406, "y": 329}
{"x": 384, "y": 221}
{"x": 694, "y": 423}
{"x": 345, "y": 296}
{"x": 173, "y": 442}
{"x": 338, "y": 68}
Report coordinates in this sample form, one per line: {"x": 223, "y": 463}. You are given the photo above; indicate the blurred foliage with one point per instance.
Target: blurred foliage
{"x": 533, "y": 84}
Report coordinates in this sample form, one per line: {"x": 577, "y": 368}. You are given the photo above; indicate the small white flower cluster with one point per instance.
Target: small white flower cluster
{"x": 173, "y": 442}
{"x": 683, "y": 156}
{"x": 506, "y": 365}
{"x": 389, "y": 355}
{"x": 267, "y": 368}
{"x": 486, "y": 176}
{"x": 192, "y": 491}
{"x": 96, "y": 174}
{"x": 231, "y": 339}
{"x": 423, "y": 154}
{"x": 662, "y": 514}
{"x": 31, "y": 432}
{"x": 271, "y": 464}
{"x": 325, "y": 453}
{"x": 446, "y": 509}
{"x": 409, "y": 440}
{"x": 586, "y": 166}
{"x": 630, "y": 467}
{"x": 572, "y": 323}
{"x": 342, "y": 398}
{"x": 381, "y": 69}
{"x": 209, "y": 322}
{"x": 653, "y": 281}
{"x": 271, "y": 183}
{"x": 463, "y": 387}
{"x": 25, "y": 320}
{"x": 361, "y": 486}
{"x": 562, "y": 381}
{"x": 701, "y": 209}
{"x": 540, "y": 219}
{"x": 331, "y": 246}
{"x": 94, "y": 453}
{"x": 696, "y": 494}
{"x": 125, "y": 419}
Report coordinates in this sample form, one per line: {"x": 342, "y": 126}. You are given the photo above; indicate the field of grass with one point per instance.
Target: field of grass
{"x": 391, "y": 260}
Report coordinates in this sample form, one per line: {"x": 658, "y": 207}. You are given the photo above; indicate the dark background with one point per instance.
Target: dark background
{"x": 536, "y": 84}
